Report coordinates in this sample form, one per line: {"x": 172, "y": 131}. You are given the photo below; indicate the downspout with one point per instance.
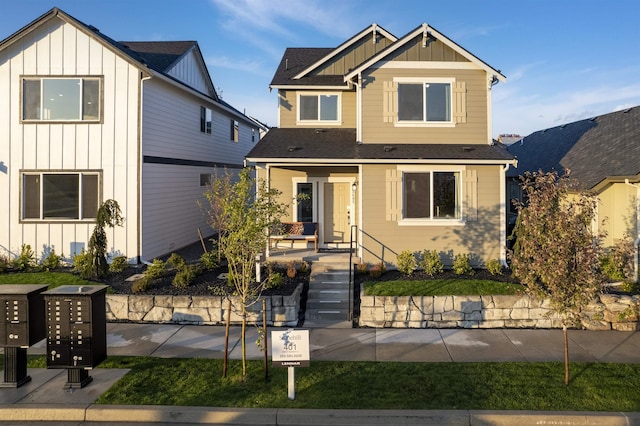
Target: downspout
{"x": 503, "y": 214}
{"x": 358, "y": 85}
{"x": 636, "y": 243}
{"x": 140, "y": 165}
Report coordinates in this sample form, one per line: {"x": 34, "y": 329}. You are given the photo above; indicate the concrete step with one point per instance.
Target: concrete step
{"x": 328, "y": 285}
{"x": 328, "y": 294}
{"x": 327, "y": 323}
{"x": 326, "y": 314}
{"x": 328, "y": 305}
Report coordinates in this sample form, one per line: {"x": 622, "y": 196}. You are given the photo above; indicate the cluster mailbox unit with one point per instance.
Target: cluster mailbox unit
{"x": 21, "y": 325}
{"x": 76, "y": 330}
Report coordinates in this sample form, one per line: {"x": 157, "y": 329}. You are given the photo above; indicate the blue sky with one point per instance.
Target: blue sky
{"x": 565, "y": 60}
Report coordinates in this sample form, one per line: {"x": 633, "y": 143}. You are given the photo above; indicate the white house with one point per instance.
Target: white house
{"x": 84, "y": 118}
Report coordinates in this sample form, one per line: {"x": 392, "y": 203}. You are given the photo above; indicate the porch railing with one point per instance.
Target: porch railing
{"x": 353, "y": 248}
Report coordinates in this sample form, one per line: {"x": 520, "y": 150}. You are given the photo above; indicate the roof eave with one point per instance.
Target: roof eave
{"x": 343, "y": 161}
{"x": 308, "y": 87}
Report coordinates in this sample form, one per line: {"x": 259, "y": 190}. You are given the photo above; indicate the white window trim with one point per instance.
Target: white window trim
{"x": 314, "y": 188}
{"x": 425, "y": 80}
{"x": 336, "y": 122}
{"x": 433, "y": 221}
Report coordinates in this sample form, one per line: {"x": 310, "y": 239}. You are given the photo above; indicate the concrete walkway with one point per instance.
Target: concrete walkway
{"x": 45, "y": 399}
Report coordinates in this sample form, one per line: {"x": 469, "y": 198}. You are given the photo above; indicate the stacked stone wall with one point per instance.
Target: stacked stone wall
{"x": 282, "y": 311}
{"x": 607, "y": 312}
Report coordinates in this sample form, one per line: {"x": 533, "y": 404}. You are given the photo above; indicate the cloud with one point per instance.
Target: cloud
{"x": 242, "y": 63}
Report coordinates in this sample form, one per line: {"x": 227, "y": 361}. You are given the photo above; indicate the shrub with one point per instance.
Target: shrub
{"x": 185, "y": 276}
{"x": 155, "y": 270}
{"x": 141, "y": 285}
{"x": 431, "y": 263}
{"x": 462, "y": 265}
{"x": 4, "y": 263}
{"x": 176, "y": 261}
{"x": 209, "y": 260}
{"x": 494, "y": 267}
{"x": 51, "y": 262}
{"x": 407, "y": 262}
{"x": 291, "y": 270}
{"x": 118, "y": 264}
{"x": 362, "y": 268}
{"x": 617, "y": 264}
{"x": 274, "y": 280}
{"x": 376, "y": 270}
{"x": 82, "y": 264}
{"x": 303, "y": 267}
{"x": 26, "y": 260}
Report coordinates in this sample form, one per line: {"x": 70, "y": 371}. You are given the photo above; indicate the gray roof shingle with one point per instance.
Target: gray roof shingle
{"x": 158, "y": 55}
{"x": 593, "y": 149}
{"x": 295, "y": 144}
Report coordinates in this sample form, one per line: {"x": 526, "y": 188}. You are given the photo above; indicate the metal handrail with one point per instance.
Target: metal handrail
{"x": 353, "y": 239}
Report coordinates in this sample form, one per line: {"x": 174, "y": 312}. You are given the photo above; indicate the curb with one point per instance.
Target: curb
{"x": 308, "y": 417}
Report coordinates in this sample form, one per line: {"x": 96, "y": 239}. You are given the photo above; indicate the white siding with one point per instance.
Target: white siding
{"x": 171, "y": 132}
{"x": 190, "y": 71}
{"x": 58, "y": 48}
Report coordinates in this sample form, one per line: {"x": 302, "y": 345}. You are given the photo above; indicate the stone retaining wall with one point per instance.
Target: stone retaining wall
{"x": 608, "y": 312}
{"x": 282, "y": 311}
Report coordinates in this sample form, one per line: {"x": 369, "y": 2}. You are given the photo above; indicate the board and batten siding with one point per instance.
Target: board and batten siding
{"x": 190, "y": 71}
{"x": 170, "y": 192}
{"x": 384, "y": 239}
{"x": 57, "y": 48}
{"x": 472, "y": 131}
{"x": 288, "y": 109}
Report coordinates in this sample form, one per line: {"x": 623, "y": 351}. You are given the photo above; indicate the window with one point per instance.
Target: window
{"x": 318, "y": 108}
{"x": 61, "y": 99}
{"x": 424, "y": 102}
{"x": 253, "y": 135}
{"x": 235, "y": 130}
{"x": 205, "y": 180}
{"x": 205, "y": 120}
{"x": 304, "y": 202}
{"x": 431, "y": 195}
{"x": 60, "y": 195}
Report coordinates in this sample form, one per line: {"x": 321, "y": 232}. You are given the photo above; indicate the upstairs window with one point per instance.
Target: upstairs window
{"x": 61, "y": 99}
{"x": 235, "y": 130}
{"x": 63, "y": 196}
{"x": 318, "y": 108}
{"x": 425, "y": 102}
{"x": 205, "y": 120}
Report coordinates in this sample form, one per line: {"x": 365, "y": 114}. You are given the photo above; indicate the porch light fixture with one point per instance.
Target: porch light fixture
{"x": 354, "y": 186}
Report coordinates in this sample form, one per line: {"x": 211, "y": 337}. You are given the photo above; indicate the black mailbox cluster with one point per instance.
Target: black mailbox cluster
{"x": 76, "y": 330}
{"x": 21, "y": 326}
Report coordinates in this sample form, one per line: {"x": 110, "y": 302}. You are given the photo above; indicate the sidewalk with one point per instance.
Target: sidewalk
{"x": 44, "y": 398}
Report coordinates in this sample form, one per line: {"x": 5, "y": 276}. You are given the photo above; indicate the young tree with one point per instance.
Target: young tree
{"x": 249, "y": 210}
{"x": 556, "y": 254}
{"x": 108, "y": 214}
{"x": 221, "y": 188}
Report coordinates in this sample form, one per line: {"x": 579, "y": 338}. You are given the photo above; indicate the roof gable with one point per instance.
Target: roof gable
{"x": 428, "y": 37}
{"x": 350, "y": 53}
{"x": 593, "y": 149}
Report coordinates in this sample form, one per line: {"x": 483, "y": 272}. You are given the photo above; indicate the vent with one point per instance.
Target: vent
{"x": 389, "y": 148}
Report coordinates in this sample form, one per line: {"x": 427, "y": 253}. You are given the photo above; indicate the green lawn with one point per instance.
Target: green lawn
{"x": 376, "y": 385}
{"x": 54, "y": 279}
{"x": 440, "y": 287}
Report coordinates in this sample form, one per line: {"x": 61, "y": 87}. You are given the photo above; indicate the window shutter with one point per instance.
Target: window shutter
{"x": 389, "y": 102}
{"x": 471, "y": 195}
{"x": 393, "y": 194}
{"x": 459, "y": 102}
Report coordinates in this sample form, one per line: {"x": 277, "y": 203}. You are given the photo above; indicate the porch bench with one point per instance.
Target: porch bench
{"x": 296, "y": 231}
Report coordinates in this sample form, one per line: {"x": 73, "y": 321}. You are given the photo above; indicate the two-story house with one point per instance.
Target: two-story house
{"x": 389, "y": 140}
{"x": 84, "y": 118}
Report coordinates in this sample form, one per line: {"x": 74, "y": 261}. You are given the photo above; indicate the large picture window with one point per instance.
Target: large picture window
{"x": 318, "y": 107}
{"x": 424, "y": 102}
{"x": 61, "y": 99}
{"x": 431, "y": 195}
{"x": 60, "y": 195}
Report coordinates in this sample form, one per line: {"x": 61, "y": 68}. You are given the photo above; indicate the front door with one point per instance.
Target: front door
{"x": 337, "y": 212}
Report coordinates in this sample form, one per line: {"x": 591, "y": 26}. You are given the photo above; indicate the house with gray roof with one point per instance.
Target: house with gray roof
{"x": 385, "y": 143}
{"x": 603, "y": 154}
{"x": 85, "y": 118}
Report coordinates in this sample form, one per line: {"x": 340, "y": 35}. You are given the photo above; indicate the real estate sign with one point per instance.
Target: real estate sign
{"x": 290, "y": 348}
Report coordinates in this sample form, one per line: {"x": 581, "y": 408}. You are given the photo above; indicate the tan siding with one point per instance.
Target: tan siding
{"x": 618, "y": 209}
{"x": 375, "y": 130}
{"x": 288, "y": 110}
{"x": 352, "y": 57}
{"x": 433, "y": 51}
{"x": 384, "y": 239}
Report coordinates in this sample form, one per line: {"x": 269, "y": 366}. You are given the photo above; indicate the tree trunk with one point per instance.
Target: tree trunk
{"x": 566, "y": 355}
{"x": 243, "y": 338}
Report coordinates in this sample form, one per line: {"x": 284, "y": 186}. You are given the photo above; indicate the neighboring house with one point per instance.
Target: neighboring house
{"x": 602, "y": 154}
{"x": 84, "y": 118}
{"x": 389, "y": 139}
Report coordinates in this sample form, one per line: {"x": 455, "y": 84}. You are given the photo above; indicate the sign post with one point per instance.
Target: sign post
{"x": 290, "y": 348}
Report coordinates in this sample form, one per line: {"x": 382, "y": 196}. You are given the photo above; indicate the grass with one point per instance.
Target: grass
{"x": 53, "y": 279}
{"x": 376, "y": 385}
{"x": 440, "y": 287}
